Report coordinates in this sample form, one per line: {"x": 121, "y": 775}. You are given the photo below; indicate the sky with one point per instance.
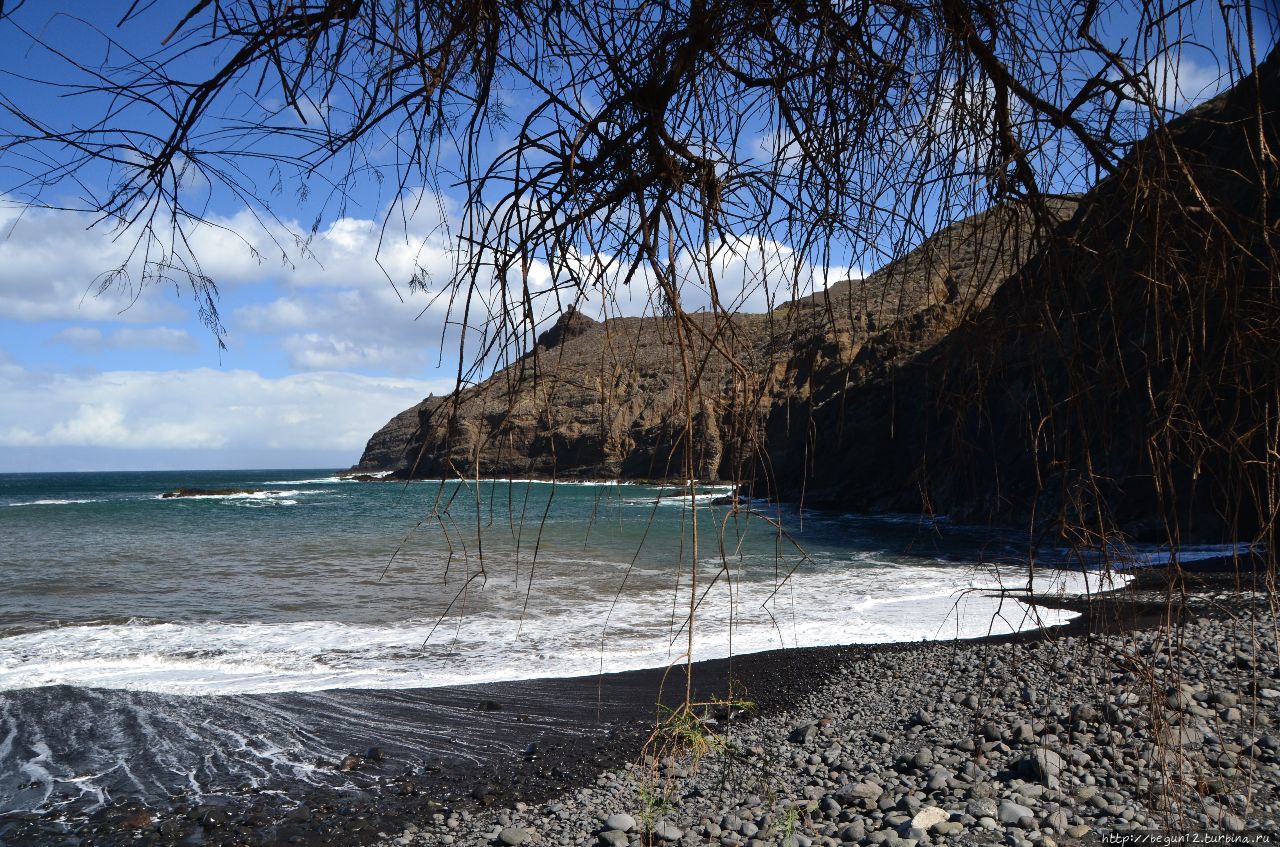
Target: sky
{"x": 321, "y": 347}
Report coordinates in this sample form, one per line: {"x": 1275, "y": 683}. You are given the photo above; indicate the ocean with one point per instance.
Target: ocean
{"x": 154, "y": 646}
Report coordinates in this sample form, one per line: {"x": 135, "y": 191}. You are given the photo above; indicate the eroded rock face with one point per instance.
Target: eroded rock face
{"x": 1116, "y": 377}
{"x": 1018, "y": 363}
{"x": 609, "y": 399}
{"x": 386, "y": 448}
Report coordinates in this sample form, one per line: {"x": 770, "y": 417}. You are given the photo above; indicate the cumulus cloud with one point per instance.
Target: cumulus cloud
{"x": 51, "y": 266}
{"x": 91, "y": 339}
{"x": 750, "y": 275}
{"x": 199, "y": 409}
{"x": 339, "y": 298}
{"x": 342, "y": 293}
{"x": 313, "y": 351}
{"x": 338, "y": 328}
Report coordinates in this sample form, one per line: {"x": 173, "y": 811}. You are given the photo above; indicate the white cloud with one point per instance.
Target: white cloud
{"x": 313, "y": 351}
{"x": 51, "y": 266}
{"x": 750, "y": 275}
{"x": 203, "y": 409}
{"x": 344, "y": 328}
{"x": 91, "y": 340}
{"x": 84, "y": 338}
{"x": 1175, "y": 81}
{"x": 1181, "y": 82}
{"x": 350, "y": 252}
{"x": 332, "y": 303}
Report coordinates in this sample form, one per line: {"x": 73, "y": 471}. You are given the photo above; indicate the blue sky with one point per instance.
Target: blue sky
{"x": 321, "y": 349}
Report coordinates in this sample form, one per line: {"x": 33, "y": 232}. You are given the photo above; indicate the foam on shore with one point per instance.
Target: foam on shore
{"x": 872, "y": 602}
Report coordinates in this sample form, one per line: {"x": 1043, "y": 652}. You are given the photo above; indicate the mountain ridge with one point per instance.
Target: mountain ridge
{"x": 1075, "y": 364}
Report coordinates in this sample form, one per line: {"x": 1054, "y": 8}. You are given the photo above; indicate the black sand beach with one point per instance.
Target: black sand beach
{"x": 525, "y": 743}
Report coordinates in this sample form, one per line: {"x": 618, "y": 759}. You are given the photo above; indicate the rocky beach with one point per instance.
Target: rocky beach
{"x": 1067, "y": 737}
{"x": 1141, "y": 715}
{"x": 477, "y": 634}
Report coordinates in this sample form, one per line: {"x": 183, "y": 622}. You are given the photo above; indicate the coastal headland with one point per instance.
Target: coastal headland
{"x": 986, "y": 376}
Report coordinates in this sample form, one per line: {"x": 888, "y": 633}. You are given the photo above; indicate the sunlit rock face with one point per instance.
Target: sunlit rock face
{"x": 1019, "y": 364}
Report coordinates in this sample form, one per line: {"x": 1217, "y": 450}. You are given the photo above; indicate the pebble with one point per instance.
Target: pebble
{"x": 898, "y": 750}
{"x": 1014, "y": 813}
{"x": 513, "y": 836}
{"x": 927, "y": 817}
{"x": 667, "y": 831}
{"x": 620, "y": 821}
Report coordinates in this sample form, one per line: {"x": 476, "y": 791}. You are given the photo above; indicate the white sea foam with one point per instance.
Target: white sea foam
{"x": 54, "y": 502}
{"x": 1129, "y": 558}
{"x": 247, "y": 495}
{"x": 867, "y": 602}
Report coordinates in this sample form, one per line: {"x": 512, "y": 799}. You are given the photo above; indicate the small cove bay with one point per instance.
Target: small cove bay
{"x": 153, "y": 645}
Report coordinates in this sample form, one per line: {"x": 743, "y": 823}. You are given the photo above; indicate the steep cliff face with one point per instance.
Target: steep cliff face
{"x": 609, "y": 399}
{"x": 1077, "y": 366}
{"x": 591, "y": 400}
{"x": 386, "y": 448}
{"x": 1127, "y": 375}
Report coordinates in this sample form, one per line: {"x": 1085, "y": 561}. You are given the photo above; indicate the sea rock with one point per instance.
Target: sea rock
{"x": 211, "y": 492}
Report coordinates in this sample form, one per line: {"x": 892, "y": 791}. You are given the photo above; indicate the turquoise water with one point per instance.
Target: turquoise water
{"x": 305, "y": 581}
{"x": 150, "y": 646}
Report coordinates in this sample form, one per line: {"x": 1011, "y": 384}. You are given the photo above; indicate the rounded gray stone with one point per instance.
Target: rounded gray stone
{"x": 513, "y": 836}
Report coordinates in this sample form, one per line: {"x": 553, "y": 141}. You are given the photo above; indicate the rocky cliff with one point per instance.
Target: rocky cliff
{"x": 1112, "y": 361}
{"x": 609, "y": 399}
{"x": 1128, "y": 375}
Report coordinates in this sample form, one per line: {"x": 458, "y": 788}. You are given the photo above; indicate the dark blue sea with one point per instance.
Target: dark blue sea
{"x": 139, "y": 633}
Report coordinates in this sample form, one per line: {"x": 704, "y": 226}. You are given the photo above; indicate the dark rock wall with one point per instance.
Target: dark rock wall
{"x": 1111, "y": 362}
{"x": 1126, "y": 376}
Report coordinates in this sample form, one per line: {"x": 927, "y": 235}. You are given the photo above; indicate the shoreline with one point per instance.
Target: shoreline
{"x": 1033, "y": 739}
{"x": 580, "y": 728}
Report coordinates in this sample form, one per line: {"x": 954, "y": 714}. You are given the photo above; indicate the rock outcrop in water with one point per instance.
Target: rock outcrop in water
{"x": 1117, "y": 368}
{"x": 211, "y": 492}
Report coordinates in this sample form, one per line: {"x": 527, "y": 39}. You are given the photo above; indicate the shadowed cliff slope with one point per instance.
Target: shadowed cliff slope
{"x": 1128, "y": 375}
{"x": 608, "y": 399}
{"x": 1068, "y": 366}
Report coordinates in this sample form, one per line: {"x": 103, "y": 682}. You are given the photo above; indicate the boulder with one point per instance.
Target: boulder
{"x": 620, "y": 821}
